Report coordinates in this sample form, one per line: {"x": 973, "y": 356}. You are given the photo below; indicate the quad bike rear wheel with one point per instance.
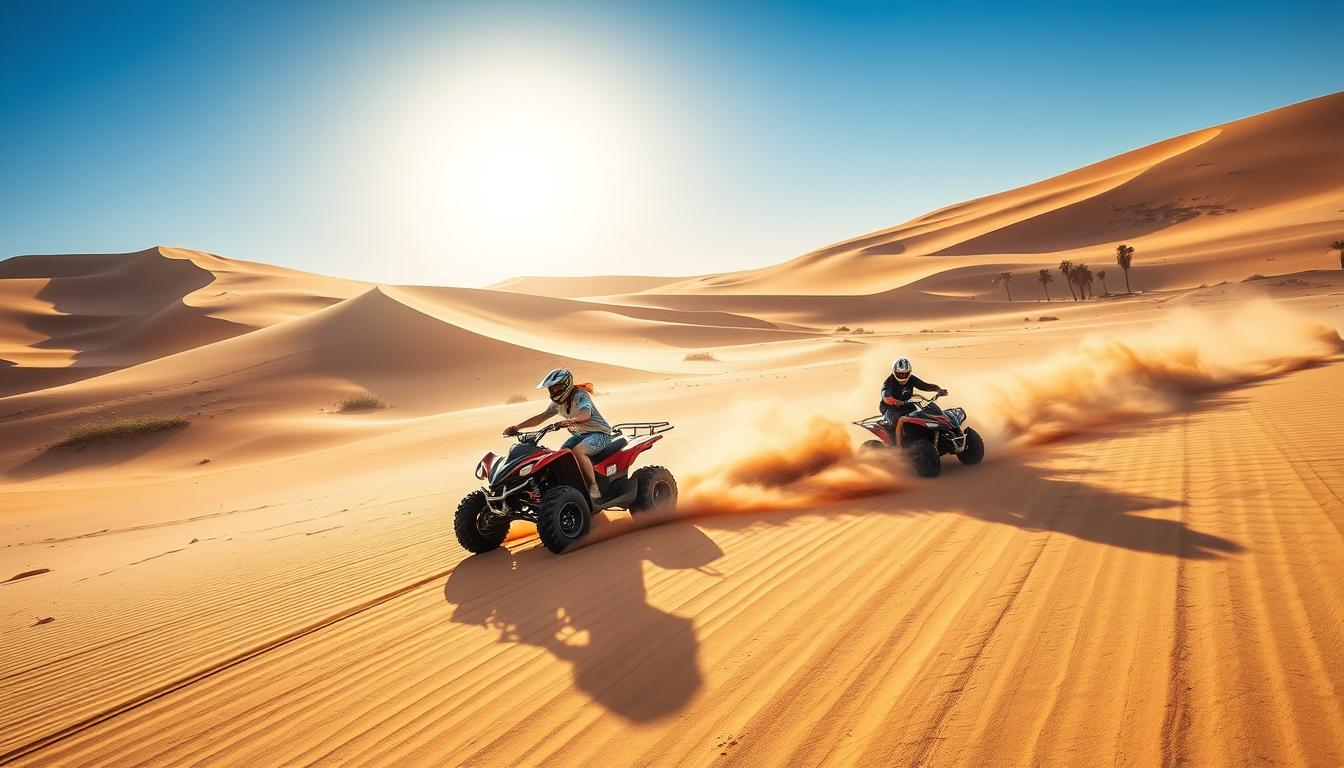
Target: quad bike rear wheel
{"x": 477, "y": 529}
{"x": 564, "y": 517}
{"x": 974, "y": 452}
{"x": 924, "y": 457}
{"x": 655, "y": 490}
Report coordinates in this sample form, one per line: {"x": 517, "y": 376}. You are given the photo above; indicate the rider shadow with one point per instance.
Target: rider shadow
{"x": 589, "y": 608}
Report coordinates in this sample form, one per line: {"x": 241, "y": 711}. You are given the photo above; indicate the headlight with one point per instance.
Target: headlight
{"x": 527, "y": 469}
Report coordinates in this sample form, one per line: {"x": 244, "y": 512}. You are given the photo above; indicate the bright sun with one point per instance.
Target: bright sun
{"x": 514, "y": 169}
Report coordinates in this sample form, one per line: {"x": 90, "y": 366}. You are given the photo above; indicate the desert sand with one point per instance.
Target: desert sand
{"x": 1148, "y": 569}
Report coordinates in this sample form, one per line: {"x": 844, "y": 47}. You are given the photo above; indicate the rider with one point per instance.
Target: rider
{"x": 589, "y": 432}
{"x": 897, "y": 390}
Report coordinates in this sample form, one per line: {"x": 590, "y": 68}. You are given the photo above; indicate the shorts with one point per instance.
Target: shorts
{"x": 595, "y": 441}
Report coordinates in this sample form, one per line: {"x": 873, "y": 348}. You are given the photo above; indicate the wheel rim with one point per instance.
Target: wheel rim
{"x": 662, "y": 492}
{"x": 484, "y": 524}
{"x": 571, "y": 520}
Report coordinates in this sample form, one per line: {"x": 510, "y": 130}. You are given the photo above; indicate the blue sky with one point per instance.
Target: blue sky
{"x": 463, "y": 143}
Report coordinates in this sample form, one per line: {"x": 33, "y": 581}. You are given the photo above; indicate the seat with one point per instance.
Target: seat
{"x": 606, "y": 453}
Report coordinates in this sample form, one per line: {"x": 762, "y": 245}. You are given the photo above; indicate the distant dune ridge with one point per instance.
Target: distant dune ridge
{"x": 226, "y": 492}
{"x": 1203, "y": 207}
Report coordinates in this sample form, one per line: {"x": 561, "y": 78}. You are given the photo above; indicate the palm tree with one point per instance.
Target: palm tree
{"x": 1005, "y": 278}
{"x": 1102, "y": 275}
{"x": 1124, "y": 256}
{"x": 1087, "y": 281}
{"x": 1338, "y": 245}
{"x": 1066, "y": 269}
{"x": 1079, "y": 275}
{"x": 1044, "y": 277}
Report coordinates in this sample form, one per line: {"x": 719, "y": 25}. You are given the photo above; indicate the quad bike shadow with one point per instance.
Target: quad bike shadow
{"x": 634, "y": 659}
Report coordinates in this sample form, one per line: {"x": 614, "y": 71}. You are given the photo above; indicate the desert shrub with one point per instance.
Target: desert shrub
{"x": 842, "y": 329}
{"x": 112, "y": 429}
{"x": 1046, "y": 318}
{"x": 361, "y": 401}
{"x": 515, "y": 399}
{"x": 700, "y": 356}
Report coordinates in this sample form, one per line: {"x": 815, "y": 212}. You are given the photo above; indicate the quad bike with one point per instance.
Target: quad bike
{"x": 534, "y": 483}
{"x": 926, "y": 434}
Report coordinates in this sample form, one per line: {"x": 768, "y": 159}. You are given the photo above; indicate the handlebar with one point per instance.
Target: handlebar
{"x": 926, "y": 399}
{"x": 536, "y": 434}
{"x": 628, "y": 428}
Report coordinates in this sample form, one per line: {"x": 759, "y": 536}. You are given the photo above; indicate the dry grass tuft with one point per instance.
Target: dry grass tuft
{"x": 700, "y": 357}
{"x": 361, "y": 401}
{"x": 113, "y": 429}
{"x": 515, "y": 399}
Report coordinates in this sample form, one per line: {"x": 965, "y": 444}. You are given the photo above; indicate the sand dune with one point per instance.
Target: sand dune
{"x": 69, "y": 317}
{"x": 1212, "y": 205}
{"x": 1145, "y": 570}
{"x": 278, "y": 379}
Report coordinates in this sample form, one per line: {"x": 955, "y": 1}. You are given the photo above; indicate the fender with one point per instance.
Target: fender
{"x": 623, "y": 458}
{"x": 525, "y": 461}
{"x": 550, "y": 459}
{"x": 921, "y": 422}
{"x": 880, "y": 432}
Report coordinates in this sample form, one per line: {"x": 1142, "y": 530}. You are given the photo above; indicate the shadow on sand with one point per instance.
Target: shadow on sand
{"x": 53, "y": 460}
{"x": 1008, "y": 492}
{"x": 589, "y": 608}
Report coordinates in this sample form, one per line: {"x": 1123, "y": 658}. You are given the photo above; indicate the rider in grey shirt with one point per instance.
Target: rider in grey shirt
{"x": 589, "y": 432}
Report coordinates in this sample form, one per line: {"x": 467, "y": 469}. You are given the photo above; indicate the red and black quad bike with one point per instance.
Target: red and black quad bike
{"x": 926, "y": 434}
{"x": 534, "y": 483}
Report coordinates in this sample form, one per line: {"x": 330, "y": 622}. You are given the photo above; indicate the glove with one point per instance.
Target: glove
{"x": 942, "y": 392}
{"x": 510, "y": 431}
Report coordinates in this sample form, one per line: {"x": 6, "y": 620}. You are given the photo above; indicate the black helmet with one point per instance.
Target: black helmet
{"x": 558, "y": 384}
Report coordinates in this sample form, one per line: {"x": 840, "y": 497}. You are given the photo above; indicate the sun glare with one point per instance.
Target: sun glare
{"x": 516, "y": 164}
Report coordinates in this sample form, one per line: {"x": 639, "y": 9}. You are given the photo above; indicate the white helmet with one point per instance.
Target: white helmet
{"x": 558, "y": 383}
{"x": 901, "y": 369}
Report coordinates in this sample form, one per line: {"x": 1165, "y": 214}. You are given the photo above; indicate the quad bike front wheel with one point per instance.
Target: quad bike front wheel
{"x": 564, "y": 517}
{"x": 974, "y": 452}
{"x": 924, "y": 457}
{"x": 477, "y": 529}
{"x": 655, "y": 490}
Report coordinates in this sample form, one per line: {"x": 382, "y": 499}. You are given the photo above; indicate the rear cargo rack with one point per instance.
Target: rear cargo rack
{"x": 641, "y": 428}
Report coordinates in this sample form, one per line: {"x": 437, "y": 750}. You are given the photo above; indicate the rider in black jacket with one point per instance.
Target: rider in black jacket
{"x": 897, "y": 390}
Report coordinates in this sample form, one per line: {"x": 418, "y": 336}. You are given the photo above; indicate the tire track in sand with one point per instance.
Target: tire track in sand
{"x": 232, "y": 661}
